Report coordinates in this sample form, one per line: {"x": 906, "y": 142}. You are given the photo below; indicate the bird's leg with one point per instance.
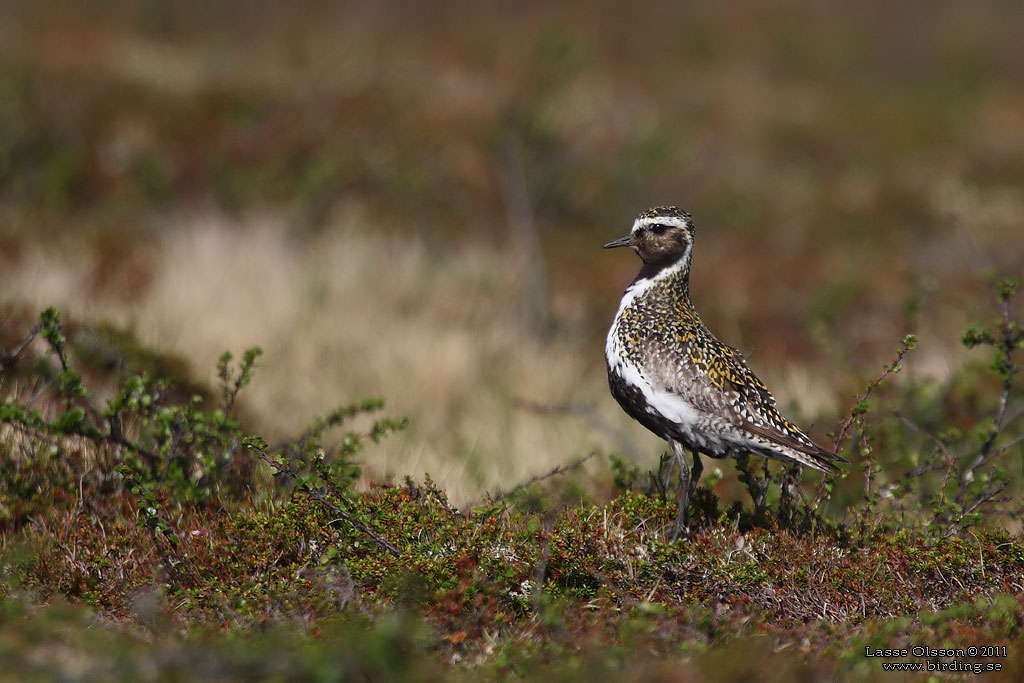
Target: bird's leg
{"x": 683, "y": 494}
{"x": 695, "y": 472}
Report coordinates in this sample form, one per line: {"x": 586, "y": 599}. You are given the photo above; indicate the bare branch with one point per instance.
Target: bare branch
{"x": 9, "y": 359}
{"x": 554, "y": 472}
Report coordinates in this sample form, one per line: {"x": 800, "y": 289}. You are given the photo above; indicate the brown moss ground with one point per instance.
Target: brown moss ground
{"x": 584, "y": 588}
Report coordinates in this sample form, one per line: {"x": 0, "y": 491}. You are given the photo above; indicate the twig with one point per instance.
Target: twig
{"x": 330, "y": 505}
{"x": 1007, "y": 345}
{"x": 986, "y": 496}
{"x": 116, "y": 436}
{"x": 561, "y": 469}
{"x": 929, "y": 467}
{"x": 924, "y": 432}
{"x": 908, "y": 343}
{"x": 819, "y": 493}
{"x": 8, "y": 360}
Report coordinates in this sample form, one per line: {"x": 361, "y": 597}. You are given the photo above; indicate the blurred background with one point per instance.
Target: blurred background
{"x": 408, "y": 200}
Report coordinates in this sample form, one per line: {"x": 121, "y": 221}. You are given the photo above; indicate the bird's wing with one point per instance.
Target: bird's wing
{"x": 760, "y": 416}
{"x": 711, "y": 377}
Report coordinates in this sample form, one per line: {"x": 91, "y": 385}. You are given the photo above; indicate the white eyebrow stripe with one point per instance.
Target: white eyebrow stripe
{"x": 663, "y": 220}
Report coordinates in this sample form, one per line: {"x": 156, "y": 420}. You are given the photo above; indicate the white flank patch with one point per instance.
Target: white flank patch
{"x": 670, "y": 406}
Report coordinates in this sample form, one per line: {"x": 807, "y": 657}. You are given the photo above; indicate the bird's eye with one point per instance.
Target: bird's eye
{"x": 658, "y": 228}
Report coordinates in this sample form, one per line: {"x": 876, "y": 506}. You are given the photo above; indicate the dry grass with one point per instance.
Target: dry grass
{"x": 347, "y": 314}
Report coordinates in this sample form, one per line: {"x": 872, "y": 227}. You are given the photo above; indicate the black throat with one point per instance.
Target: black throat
{"x": 649, "y": 270}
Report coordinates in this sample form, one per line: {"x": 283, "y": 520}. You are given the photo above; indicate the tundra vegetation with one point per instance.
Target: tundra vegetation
{"x": 301, "y": 330}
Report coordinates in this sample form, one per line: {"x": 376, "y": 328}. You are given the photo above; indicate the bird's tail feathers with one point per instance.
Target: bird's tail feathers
{"x": 783, "y": 446}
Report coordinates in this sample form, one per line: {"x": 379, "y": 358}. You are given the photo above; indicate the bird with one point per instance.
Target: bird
{"x": 672, "y": 375}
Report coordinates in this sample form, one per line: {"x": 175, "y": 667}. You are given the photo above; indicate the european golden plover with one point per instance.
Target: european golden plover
{"x": 673, "y": 376}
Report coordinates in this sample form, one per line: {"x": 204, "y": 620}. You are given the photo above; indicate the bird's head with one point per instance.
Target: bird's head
{"x": 661, "y": 237}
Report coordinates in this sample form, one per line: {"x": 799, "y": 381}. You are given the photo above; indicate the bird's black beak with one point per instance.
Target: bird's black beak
{"x": 621, "y": 242}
